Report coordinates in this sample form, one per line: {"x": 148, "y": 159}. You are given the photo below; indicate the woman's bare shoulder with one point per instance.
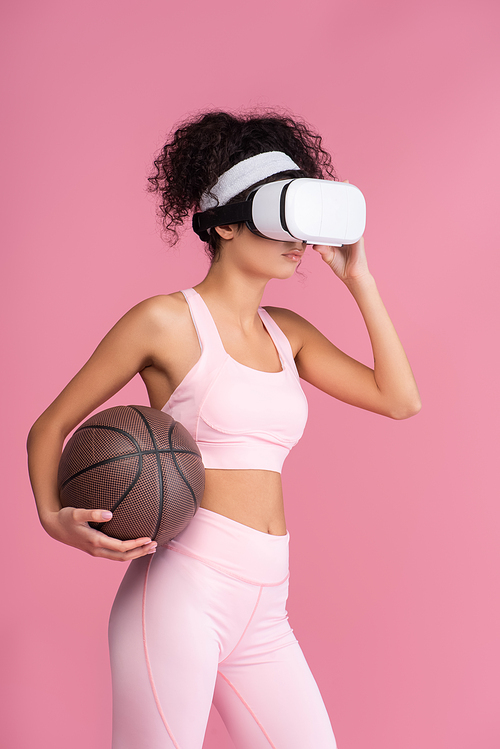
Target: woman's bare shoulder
{"x": 287, "y": 316}
{"x": 161, "y": 311}
{"x": 155, "y": 325}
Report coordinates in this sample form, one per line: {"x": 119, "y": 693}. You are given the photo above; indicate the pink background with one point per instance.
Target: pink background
{"x": 394, "y": 525}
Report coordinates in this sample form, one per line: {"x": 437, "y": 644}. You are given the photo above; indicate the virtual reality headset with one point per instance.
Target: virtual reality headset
{"x": 316, "y": 211}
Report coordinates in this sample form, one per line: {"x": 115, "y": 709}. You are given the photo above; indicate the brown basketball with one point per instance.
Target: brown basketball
{"x": 139, "y": 463}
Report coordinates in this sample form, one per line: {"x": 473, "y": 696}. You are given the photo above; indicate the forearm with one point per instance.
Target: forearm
{"x": 392, "y": 372}
{"x": 44, "y": 447}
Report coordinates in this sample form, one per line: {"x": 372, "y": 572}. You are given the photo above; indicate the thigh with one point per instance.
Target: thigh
{"x": 163, "y": 655}
{"x": 275, "y": 704}
{"x": 265, "y": 692}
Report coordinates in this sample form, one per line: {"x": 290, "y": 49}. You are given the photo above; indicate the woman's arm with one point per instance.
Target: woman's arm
{"x": 389, "y": 388}
{"x": 126, "y": 349}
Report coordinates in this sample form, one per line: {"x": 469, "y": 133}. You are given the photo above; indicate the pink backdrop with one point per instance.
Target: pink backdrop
{"x": 394, "y": 525}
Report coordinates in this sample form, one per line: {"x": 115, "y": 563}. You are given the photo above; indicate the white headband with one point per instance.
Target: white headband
{"x": 244, "y": 174}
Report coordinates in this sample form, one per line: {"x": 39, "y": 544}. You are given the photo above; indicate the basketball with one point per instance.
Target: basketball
{"x": 140, "y": 464}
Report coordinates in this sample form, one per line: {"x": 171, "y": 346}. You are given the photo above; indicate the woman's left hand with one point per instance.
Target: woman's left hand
{"x": 347, "y": 262}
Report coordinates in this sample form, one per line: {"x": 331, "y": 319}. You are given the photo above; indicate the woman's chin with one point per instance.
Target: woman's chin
{"x": 288, "y": 272}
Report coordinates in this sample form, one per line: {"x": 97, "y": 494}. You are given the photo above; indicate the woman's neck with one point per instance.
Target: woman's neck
{"x": 234, "y": 295}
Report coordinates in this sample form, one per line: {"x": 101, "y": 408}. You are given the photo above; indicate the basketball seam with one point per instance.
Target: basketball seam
{"x": 108, "y": 460}
{"x": 160, "y": 472}
{"x": 98, "y": 526}
{"x": 181, "y": 474}
{"x": 161, "y": 451}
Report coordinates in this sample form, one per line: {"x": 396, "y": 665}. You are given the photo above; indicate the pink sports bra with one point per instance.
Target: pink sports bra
{"x": 239, "y": 417}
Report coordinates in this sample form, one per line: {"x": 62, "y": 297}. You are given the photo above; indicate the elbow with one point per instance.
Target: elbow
{"x": 32, "y": 435}
{"x": 406, "y": 410}
{"x": 42, "y": 428}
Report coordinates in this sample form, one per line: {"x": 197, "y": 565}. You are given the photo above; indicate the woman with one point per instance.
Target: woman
{"x": 204, "y": 617}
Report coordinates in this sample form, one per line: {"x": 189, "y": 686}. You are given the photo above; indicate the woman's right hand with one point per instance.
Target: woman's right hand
{"x": 70, "y": 525}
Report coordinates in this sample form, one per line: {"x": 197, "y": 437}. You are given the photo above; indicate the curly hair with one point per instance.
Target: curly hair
{"x": 203, "y": 147}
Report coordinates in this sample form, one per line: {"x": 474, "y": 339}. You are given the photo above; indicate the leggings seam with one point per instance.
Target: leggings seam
{"x": 273, "y": 746}
{"x": 247, "y": 626}
{"x": 148, "y": 662}
{"x": 224, "y": 572}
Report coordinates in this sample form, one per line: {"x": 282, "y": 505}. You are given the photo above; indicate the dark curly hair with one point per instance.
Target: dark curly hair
{"x": 203, "y": 147}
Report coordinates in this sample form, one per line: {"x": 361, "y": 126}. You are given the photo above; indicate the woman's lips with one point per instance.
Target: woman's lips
{"x": 295, "y": 256}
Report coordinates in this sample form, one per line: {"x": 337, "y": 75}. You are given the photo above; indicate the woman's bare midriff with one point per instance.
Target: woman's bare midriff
{"x": 251, "y": 497}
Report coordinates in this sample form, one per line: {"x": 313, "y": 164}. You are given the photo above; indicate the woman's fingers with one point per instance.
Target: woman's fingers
{"x": 115, "y": 544}
{"x": 91, "y": 516}
{"x": 99, "y": 516}
{"x": 114, "y": 548}
{"x": 77, "y": 532}
{"x": 125, "y": 556}
{"x": 327, "y": 253}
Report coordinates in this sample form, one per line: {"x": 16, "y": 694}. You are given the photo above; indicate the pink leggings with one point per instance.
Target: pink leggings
{"x": 204, "y": 620}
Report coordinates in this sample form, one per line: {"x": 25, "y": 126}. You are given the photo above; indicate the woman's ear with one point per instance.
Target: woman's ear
{"x": 226, "y": 232}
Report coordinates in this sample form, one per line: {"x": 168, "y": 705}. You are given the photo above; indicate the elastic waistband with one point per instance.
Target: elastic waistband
{"x": 264, "y": 455}
{"x": 234, "y": 549}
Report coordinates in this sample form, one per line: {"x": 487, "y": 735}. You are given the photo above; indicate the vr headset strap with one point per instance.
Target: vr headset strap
{"x": 234, "y": 213}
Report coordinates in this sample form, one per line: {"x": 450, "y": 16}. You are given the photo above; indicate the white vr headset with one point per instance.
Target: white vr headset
{"x": 316, "y": 211}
